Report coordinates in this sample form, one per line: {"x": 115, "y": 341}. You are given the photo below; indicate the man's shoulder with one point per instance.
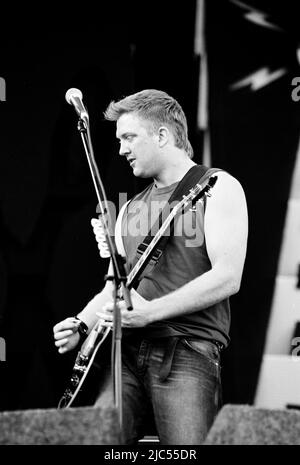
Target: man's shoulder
{"x": 227, "y": 190}
{"x": 227, "y": 179}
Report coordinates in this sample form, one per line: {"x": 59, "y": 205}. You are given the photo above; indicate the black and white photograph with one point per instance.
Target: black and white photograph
{"x": 150, "y": 226}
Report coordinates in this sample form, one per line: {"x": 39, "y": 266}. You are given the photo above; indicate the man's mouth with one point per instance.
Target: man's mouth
{"x": 131, "y": 161}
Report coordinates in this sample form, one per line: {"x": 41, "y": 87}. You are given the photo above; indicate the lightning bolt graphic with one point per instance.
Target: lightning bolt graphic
{"x": 256, "y": 16}
{"x": 259, "y": 79}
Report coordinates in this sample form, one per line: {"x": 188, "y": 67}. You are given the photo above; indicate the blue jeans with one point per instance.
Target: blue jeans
{"x": 175, "y": 382}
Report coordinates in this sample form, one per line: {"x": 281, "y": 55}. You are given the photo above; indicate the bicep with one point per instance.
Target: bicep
{"x": 226, "y": 224}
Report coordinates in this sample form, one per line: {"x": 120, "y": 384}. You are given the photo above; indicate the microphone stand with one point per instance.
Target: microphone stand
{"x": 119, "y": 277}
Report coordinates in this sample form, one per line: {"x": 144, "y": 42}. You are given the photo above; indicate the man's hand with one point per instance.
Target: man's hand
{"x": 66, "y": 335}
{"x": 136, "y": 318}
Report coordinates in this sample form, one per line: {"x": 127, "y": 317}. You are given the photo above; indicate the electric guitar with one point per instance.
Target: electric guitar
{"x": 99, "y": 333}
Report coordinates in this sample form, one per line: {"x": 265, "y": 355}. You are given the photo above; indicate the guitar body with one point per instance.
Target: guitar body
{"x": 88, "y": 370}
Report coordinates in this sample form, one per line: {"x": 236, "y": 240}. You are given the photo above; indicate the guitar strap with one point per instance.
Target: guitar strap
{"x": 198, "y": 174}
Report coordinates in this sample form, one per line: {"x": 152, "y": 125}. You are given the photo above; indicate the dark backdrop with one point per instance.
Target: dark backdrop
{"x": 49, "y": 262}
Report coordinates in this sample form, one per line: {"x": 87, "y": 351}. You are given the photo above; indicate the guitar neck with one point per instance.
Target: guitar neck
{"x": 196, "y": 193}
{"x": 141, "y": 263}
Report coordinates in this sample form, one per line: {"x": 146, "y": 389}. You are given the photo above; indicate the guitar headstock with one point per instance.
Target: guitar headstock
{"x": 197, "y": 192}
{"x": 212, "y": 181}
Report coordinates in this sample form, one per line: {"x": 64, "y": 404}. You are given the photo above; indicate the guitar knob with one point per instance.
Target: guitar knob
{"x": 74, "y": 380}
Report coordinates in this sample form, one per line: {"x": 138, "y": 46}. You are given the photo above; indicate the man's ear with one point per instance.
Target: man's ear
{"x": 163, "y": 136}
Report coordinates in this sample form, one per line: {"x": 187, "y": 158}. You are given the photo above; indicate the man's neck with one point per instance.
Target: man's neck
{"x": 174, "y": 172}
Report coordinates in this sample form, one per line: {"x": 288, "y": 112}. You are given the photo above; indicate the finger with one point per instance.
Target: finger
{"x": 63, "y": 334}
{"x": 101, "y": 317}
{"x": 62, "y": 350}
{"x": 69, "y": 323}
{"x": 106, "y": 320}
{"x": 107, "y": 324}
{"x": 105, "y": 316}
{"x": 61, "y": 342}
{"x": 122, "y": 305}
{"x": 125, "y": 324}
{"x": 108, "y": 307}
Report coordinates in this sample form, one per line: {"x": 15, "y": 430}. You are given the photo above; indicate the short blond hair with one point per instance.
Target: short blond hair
{"x": 158, "y": 108}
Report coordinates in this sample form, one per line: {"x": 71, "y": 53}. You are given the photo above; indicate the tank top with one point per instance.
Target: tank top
{"x": 184, "y": 258}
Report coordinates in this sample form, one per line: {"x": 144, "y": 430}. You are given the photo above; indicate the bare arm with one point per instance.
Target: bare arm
{"x": 88, "y": 314}
{"x": 65, "y": 334}
{"x": 226, "y": 231}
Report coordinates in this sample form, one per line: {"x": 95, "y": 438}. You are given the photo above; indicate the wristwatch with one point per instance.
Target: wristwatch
{"x": 82, "y": 329}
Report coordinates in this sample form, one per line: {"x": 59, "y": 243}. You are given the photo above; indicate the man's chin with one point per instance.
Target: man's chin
{"x": 140, "y": 173}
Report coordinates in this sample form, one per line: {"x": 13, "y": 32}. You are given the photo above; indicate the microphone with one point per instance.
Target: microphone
{"x": 74, "y": 97}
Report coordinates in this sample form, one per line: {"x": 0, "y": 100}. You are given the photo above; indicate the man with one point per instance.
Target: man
{"x": 180, "y": 319}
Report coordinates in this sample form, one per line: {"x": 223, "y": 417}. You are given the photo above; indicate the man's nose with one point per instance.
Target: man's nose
{"x": 124, "y": 148}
